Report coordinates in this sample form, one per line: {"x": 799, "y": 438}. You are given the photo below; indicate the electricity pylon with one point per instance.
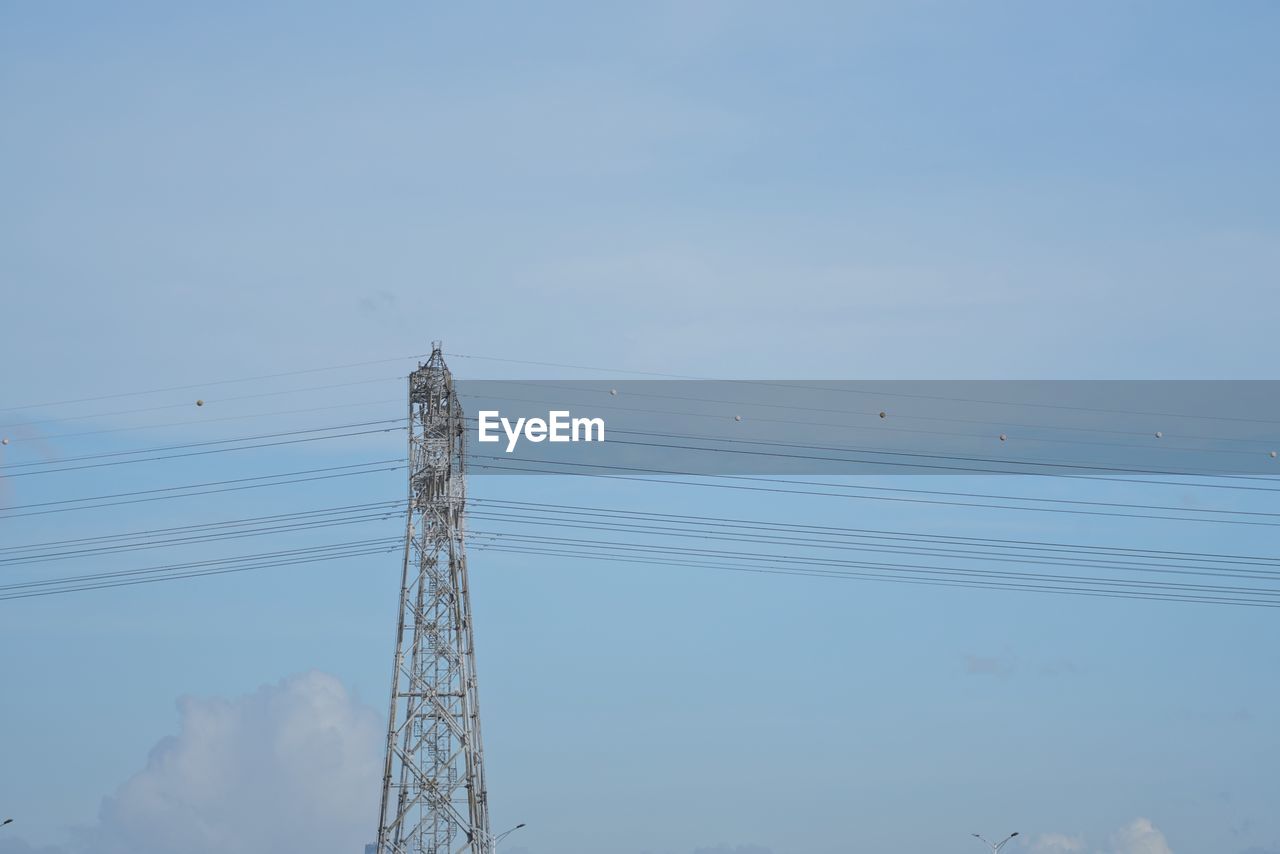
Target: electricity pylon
{"x": 433, "y": 792}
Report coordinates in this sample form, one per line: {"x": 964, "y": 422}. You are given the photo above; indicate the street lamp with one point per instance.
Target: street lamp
{"x": 504, "y": 834}
{"x": 995, "y": 848}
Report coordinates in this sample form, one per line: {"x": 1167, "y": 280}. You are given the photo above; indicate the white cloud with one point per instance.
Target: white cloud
{"x": 1140, "y": 836}
{"x": 292, "y": 767}
{"x": 1056, "y": 843}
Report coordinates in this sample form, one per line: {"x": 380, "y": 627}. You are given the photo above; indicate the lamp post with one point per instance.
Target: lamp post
{"x": 995, "y": 847}
{"x": 504, "y": 834}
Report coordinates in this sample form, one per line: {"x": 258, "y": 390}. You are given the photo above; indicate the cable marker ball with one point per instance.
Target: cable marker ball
{"x": 613, "y": 391}
{"x": 737, "y": 418}
{"x": 1159, "y": 435}
{"x": 199, "y": 403}
{"x": 5, "y": 441}
{"x": 883, "y": 415}
{"x": 1003, "y": 437}
{"x": 1273, "y": 453}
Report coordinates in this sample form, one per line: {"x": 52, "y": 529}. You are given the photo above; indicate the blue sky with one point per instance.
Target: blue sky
{"x": 851, "y": 191}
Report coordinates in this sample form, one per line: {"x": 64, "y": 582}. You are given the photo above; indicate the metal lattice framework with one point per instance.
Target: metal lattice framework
{"x": 433, "y": 791}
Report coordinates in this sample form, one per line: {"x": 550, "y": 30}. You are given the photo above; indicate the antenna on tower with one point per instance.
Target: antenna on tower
{"x": 433, "y": 792}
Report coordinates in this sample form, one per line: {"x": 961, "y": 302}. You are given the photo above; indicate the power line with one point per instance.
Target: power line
{"x": 100, "y": 581}
{"x": 203, "y": 453}
{"x": 613, "y": 551}
{"x": 279, "y": 393}
{"x": 986, "y": 558}
{"x": 700, "y": 527}
{"x": 325, "y": 522}
{"x": 708, "y": 439}
{"x": 640, "y": 553}
{"x": 900, "y": 543}
{"x": 873, "y": 415}
{"x": 958, "y": 458}
{"x": 1043, "y": 463}
{"x": 574, "y": 367}
{"x": 756, "y": 524}
{"x": 1141, "y": 588}
{"x": 1110, "y": 478}
{"x": 208, "y": 384}
{"x": 707, "y": 528}
{"x": 791, "y": 386}
{"x": 200, "y": 526}
{"x": 136, "y": 428}
{"x": 162, "y": 448}
{"x": 340, "y": 471}
{"x": 863, "y": 392}
{"x": 285, "y": 553}
{"x": 782, "y": 570}
{"x": 645, "y": 522}
{"x": 648, "y": 475}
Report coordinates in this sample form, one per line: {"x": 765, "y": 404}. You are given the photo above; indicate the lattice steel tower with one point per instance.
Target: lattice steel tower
{"x": 433, "y": 792}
